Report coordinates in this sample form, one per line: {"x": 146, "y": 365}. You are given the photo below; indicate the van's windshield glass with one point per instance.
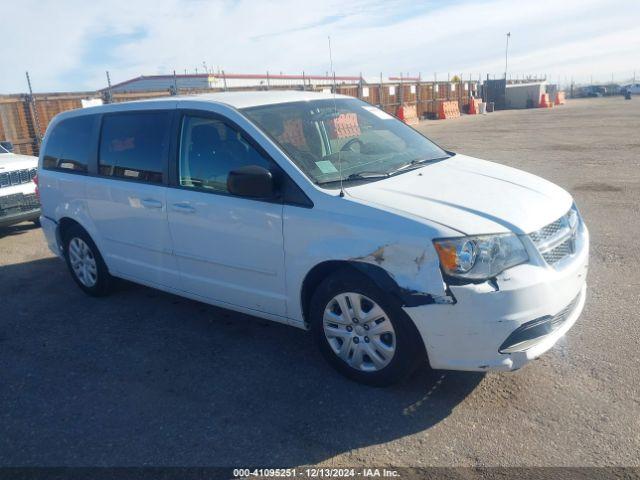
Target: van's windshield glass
{"x": 320, "y": 135}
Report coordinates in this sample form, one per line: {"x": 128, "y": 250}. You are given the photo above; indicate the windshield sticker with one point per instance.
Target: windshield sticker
{"x": 379, "y": 113}
{"x": 326, "y": 166}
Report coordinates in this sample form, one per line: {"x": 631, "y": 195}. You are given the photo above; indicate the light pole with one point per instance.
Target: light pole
{"x": 506, "y": 57}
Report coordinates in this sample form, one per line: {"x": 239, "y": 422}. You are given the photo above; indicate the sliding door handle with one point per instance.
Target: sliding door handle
{"x": 183, "y": 208}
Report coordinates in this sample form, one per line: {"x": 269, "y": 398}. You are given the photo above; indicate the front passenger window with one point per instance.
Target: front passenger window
{"x": 209, "y": 150}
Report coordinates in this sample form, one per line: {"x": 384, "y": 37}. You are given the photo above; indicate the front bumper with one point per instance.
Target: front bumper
{"x": 469, "y": 334}
{"x": 18, "y": 207}
{"x": 12, "y": 219}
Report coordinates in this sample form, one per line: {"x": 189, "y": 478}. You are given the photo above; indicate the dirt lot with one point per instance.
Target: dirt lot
{"x": 145, "y": 378}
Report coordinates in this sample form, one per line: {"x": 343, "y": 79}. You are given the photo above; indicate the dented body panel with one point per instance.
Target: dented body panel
{"x": 340, "y": 229}
{"x": 468, "y": 335}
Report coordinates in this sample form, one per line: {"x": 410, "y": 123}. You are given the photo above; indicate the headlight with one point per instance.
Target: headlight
{"x": 480, "y": 257}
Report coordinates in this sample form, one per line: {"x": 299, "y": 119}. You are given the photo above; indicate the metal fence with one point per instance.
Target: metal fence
{"x": 24, "y": 117}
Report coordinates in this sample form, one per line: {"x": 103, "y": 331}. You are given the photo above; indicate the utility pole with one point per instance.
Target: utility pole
{"x": 571, "y": 86}
{"x": 506, "y": 57}
{"x": 36, "y": 118}
{"x": 109, "y": 93}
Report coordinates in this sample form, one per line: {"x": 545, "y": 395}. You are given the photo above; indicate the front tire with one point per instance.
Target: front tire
{"x": 362, "y": 331}
{"x": 85, "y": 263}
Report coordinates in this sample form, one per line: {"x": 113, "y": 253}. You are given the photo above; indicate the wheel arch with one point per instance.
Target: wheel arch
{"x": 64, "y": 225}
{"x": 381, "y": 277}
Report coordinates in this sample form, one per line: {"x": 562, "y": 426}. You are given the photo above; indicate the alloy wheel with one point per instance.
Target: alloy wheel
{"x": 83, "y": 262}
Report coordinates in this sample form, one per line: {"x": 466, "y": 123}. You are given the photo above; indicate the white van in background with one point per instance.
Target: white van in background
{"x": 633, "y": 88}
{"x": 324, "y": 213}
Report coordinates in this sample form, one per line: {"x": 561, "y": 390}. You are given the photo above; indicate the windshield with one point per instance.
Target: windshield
{"x": 3, "y": 150}
{"x": 324, "y": 138}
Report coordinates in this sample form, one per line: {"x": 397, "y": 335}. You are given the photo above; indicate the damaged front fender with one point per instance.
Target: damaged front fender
{"x": 412, "y": 275}
{"x": 396, "y": 252}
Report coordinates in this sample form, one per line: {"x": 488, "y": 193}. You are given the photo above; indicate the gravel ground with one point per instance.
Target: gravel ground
{"x": 146, "y": 378}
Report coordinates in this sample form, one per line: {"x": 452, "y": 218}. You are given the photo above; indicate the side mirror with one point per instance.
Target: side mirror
{"x": 251, "y": 181}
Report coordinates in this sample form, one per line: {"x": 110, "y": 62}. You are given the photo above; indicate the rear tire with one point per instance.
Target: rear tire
{"x": 85, "y": 263}
{"x": 375, "y": 342}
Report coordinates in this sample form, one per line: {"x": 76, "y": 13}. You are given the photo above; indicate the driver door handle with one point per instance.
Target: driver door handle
{"x": 151, "y": 203}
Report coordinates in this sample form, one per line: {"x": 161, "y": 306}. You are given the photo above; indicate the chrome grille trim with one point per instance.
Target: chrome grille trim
{"x": 557, "y": 240}
{"x": 17, "y": 177}
{"x": 547, "y": 232}
{"x": 559, "y": 318}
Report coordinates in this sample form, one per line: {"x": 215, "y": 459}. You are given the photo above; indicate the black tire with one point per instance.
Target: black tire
{"x": 409, "y": 348}
{"x": 104, "y": 280}
{"x": 36, "y": 222}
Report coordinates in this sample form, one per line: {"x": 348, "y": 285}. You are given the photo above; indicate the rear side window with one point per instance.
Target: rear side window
{"x": 134, "y": 145}
{"x": 69, "y": 146}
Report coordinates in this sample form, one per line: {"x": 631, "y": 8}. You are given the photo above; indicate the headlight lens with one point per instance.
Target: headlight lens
{"x": 480, "y": 257}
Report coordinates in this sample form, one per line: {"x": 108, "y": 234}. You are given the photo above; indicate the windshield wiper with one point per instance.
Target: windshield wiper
{"x": 366, "y": 175}
{"x": 414, "y": 164}
{"x": 358, "y": 176}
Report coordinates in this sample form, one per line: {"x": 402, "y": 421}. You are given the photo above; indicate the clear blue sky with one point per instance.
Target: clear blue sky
{"x": 70, "y": 44}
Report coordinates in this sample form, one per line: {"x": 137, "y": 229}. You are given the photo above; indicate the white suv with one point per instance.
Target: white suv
{"x": 18, "y": 199}
{"x": 320, "y": 212}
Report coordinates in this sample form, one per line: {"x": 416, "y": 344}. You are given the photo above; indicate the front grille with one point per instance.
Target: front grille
{"x": 557, "y": 240}
{"x": 556, "y": 254}
{"x": 17, "y": 177}
{"x": 548, "y": 232}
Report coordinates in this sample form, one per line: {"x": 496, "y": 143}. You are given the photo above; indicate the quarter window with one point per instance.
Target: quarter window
{"x": 69, "y": 146}
{"x": 209, "y": 150}
{"x": 134, "y": 145}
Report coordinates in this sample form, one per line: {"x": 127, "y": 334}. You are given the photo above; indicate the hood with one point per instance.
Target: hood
{"x": 470, "y": 195}
{"x": 13, "y": 161}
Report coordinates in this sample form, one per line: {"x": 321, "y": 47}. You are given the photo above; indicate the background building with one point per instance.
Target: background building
{"x": 223, "y": 80}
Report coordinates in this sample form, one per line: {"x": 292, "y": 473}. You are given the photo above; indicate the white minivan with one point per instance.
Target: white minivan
{"x": 320, "y": 212}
